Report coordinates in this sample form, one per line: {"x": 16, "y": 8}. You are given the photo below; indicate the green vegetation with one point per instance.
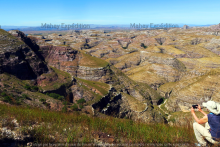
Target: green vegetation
{"x": 31, "y": 88}
{"x": 65, "y": 103}
{"x": 73, "y": 127}
{"x": 24, "y": 96}
{"x": 164, "y": 109}
{"x": 81, "y": 106}
{"x": 6, "y": 41}
{"x": 81, "y": 101}
{"x": 91, "y": 61}
{"x": 61, "y": 98}
{"x": 27, "y": 87}
{"x": 60, "y": 78}
{"x": 3, "y": 94}
{"x": 74, "y": 107}
{"x": 102, "y": 89}
{"x": 144, "y": 46}
{"x": 18, "y": 100}
{"x": 42, "y": 100}
{"x": 64, "y": 109}
{"x": 7, "y": 99}
{"x": 10, "y": 98}
{"x": 55, "y": 96}
{"x": 34, "y": 88}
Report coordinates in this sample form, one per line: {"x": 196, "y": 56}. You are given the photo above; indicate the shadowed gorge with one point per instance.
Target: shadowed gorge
{"x": 135, "y": 76}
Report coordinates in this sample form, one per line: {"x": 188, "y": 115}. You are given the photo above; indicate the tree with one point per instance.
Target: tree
{"x": 143, "y": 45}
{"x": 81, "y": 101}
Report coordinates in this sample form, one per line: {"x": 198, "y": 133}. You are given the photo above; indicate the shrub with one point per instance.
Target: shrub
{"x": 54, "y": 95}
{"x": 24, "y": 96}
{"x": 3, "y": 94}
{"x": 31, "y": 88}
{"x": 27, "y": 87}
{"x": 81, "y": 101}
{"x": 34, "y": 88}
{"x": 74, "y": 107}
{"x": 7, "y": 99}
{"x": 42, "y": 100}
{"x": 18, "y": 100}
{"x": 144, "y": 46}
{"x": 61, "y": 98}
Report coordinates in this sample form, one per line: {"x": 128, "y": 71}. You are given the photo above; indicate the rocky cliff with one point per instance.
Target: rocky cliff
{"x": 138, "y": 64}
{"x": 18, "y": 59}
{"x": 72, "y": 74}
{"x": 75, "y": 62}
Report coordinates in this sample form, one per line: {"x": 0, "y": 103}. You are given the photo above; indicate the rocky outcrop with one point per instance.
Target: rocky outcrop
{"x": 75, "y": 62}
{"x": 184, "y": 93}
{"x": 19, "y": 59}
{"x": 73, "y": 74}
{"x": 174, "y": 62}
{"x": 154, "y": 69}
{"x": 123, "y": 105}
{"x": 213, "y": 45}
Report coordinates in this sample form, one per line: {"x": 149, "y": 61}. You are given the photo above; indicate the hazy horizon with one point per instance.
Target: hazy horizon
{"x": 113, "y": 12}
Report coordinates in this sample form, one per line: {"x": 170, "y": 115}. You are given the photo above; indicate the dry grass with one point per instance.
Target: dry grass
{"x": 73, "y": 127}
{"x": 172, "y": 50}
{"x": 134, "y": 104}
{"x": 146, "y": 74}
{"x": 90, "y": 61}
{"x": 55, "y": 79}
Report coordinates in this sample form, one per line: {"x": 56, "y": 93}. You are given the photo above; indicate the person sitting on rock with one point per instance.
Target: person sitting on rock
{"x": 211, "y": 131}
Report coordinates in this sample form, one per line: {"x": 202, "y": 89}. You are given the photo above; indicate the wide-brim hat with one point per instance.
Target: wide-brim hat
{"x": 212, "y": 107}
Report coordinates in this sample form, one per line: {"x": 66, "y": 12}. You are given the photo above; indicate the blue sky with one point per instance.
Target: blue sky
{"x": 33, "y": 13}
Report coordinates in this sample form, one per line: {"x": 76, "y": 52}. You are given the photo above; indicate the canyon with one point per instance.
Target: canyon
{"x": 126, "y": 73}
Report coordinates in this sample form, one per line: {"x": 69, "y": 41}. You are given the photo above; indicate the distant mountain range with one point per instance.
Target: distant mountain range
{"x": 51, "y": 27}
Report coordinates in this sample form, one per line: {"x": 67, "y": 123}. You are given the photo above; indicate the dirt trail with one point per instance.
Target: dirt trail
{"x": 164, "y": 111}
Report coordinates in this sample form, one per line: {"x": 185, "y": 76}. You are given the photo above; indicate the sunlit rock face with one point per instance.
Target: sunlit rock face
{"x": 174, "y": 62}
